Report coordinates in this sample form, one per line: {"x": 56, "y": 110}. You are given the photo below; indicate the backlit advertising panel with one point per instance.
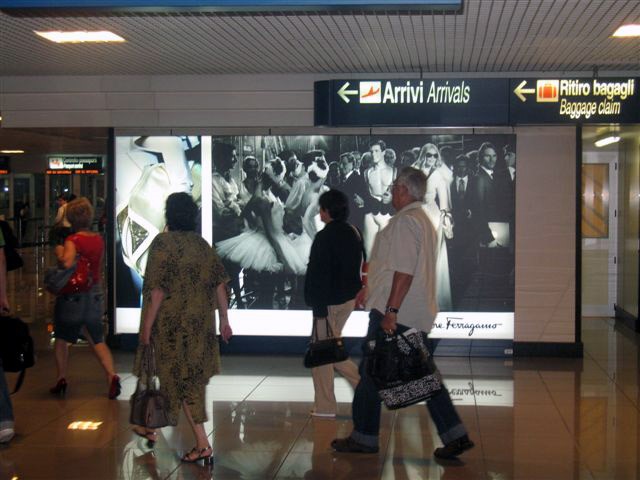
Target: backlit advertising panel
{"x": 259, "y": 206}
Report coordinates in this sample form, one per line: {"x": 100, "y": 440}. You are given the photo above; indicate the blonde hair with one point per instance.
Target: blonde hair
{"x": 422, "y": 158}
{"x": 79, "y": 213}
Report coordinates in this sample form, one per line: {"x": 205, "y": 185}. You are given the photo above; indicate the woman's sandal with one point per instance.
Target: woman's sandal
{"x": 150, "y": 436}
{"x": 205, "y": 454}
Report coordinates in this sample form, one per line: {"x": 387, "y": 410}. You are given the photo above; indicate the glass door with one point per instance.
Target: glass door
{"x": 5, "y": 197}
{"x": 23, "y": 202}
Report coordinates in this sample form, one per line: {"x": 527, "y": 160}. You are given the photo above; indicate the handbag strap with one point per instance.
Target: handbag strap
{"x": 359, "y": 235}
{"x": 329, "y": 329}
{"x": 149, "y": 359}
{"x": 314, "y": 329}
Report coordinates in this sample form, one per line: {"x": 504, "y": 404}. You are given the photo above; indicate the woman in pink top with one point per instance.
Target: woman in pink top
{"x": 82, "y": 309}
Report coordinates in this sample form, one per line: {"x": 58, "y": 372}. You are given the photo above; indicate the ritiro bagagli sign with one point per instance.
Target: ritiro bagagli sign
{"x": 575, "y": 100}
{"x": 462, "y": 102}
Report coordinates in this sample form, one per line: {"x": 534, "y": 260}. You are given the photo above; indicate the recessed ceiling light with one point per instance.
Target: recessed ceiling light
{"x": 631, "y": 30}
{"x": 12, "y": 151}
{"x": 607, "y": 141}
{"x": 80, "y": 37}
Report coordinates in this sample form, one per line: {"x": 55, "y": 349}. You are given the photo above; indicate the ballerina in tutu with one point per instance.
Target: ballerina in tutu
{"x": 263, "y": 245}
{"x": 311, "y": 222}
{"x": 252, "y": 249}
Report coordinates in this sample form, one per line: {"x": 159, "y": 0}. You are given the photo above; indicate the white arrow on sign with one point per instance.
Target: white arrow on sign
{"x": 520, "y": 91}
{"x": 343, "y": 92}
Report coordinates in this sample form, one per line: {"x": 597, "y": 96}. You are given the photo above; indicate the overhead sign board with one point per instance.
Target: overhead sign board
{"x": 212, "y": 5}
{"x": 63, "y": 165}
{"x": 574, "y": 100}
{"x": 475, "y": 102}
{"x": 411, "y": 102}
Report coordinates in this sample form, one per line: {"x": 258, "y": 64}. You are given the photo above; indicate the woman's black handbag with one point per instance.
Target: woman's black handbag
{"x": 402, "y": 368}
{"x": 149, "y": 406}
{"x": 16, "y": 347}
{"x": 323, "y": 352}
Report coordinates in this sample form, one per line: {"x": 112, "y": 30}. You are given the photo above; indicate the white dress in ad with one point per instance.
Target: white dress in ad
{"x": 436, "y": 199}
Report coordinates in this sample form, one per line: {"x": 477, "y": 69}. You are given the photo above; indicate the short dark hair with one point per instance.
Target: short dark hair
{"x": 222, "y": 155}
{"x": 311, "y": 156}
{"x": 381, "y": 143}
{"x": 485, "y": 146}
{"x": 349, "y": 157}
{"x": 336, "y": 204}
{"x": 249, "y": 158}
{"x": 278, "y": 166}
{"x": 181, "y": 212}
{"x": 461, "y": 158}
{"x": 286, "y": 154}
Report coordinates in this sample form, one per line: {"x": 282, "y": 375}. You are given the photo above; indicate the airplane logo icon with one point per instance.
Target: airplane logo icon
{"x": 370, "y": 92}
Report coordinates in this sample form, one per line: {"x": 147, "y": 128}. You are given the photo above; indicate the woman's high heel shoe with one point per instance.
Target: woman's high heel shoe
{"x": 59, "y": 388}
{"x": 204, "y": 454}
{"x": 114, "y": 388}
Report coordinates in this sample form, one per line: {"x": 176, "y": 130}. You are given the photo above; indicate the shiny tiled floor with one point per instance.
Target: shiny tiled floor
{"x": 530, "y": 419}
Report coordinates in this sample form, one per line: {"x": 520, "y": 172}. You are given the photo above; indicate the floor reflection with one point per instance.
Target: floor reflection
{"x": 529, "y": 418}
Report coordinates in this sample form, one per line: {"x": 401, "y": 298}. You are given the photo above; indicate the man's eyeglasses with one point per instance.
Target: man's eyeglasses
{"x": 429, "y": 155}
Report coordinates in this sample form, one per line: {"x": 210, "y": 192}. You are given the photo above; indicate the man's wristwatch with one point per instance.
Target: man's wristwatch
{"x": 391, "y": 310}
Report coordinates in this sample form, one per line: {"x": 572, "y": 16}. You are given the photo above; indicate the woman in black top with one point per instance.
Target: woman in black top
{"x": 331, "y": 285}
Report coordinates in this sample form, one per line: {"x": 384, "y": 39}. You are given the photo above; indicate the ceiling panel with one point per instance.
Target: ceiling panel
{"x": 487, "y": 36}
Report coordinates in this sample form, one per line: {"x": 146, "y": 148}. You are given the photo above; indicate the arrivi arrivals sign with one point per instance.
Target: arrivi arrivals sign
{"x": 475, "y": 102}
{"x": 411, "y": 102}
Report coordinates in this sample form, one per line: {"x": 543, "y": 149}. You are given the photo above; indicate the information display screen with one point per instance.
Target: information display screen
{"x": 65, "y": 165}
{"x": 259, "y": 205}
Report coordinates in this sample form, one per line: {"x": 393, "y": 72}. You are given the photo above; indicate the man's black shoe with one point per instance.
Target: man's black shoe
{"x": 349, "y": 445}
{"x": 453, "y": 449}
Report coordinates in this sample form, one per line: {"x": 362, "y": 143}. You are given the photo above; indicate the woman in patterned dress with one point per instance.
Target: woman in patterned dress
{"x": 184, "y": 284}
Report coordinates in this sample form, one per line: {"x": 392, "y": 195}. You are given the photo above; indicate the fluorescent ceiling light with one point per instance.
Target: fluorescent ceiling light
{"x": 80, "y": 37}
{"x": 11, "y": 151}
{"x": 630, "y": 30}
{"x": 607, "y": 141}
